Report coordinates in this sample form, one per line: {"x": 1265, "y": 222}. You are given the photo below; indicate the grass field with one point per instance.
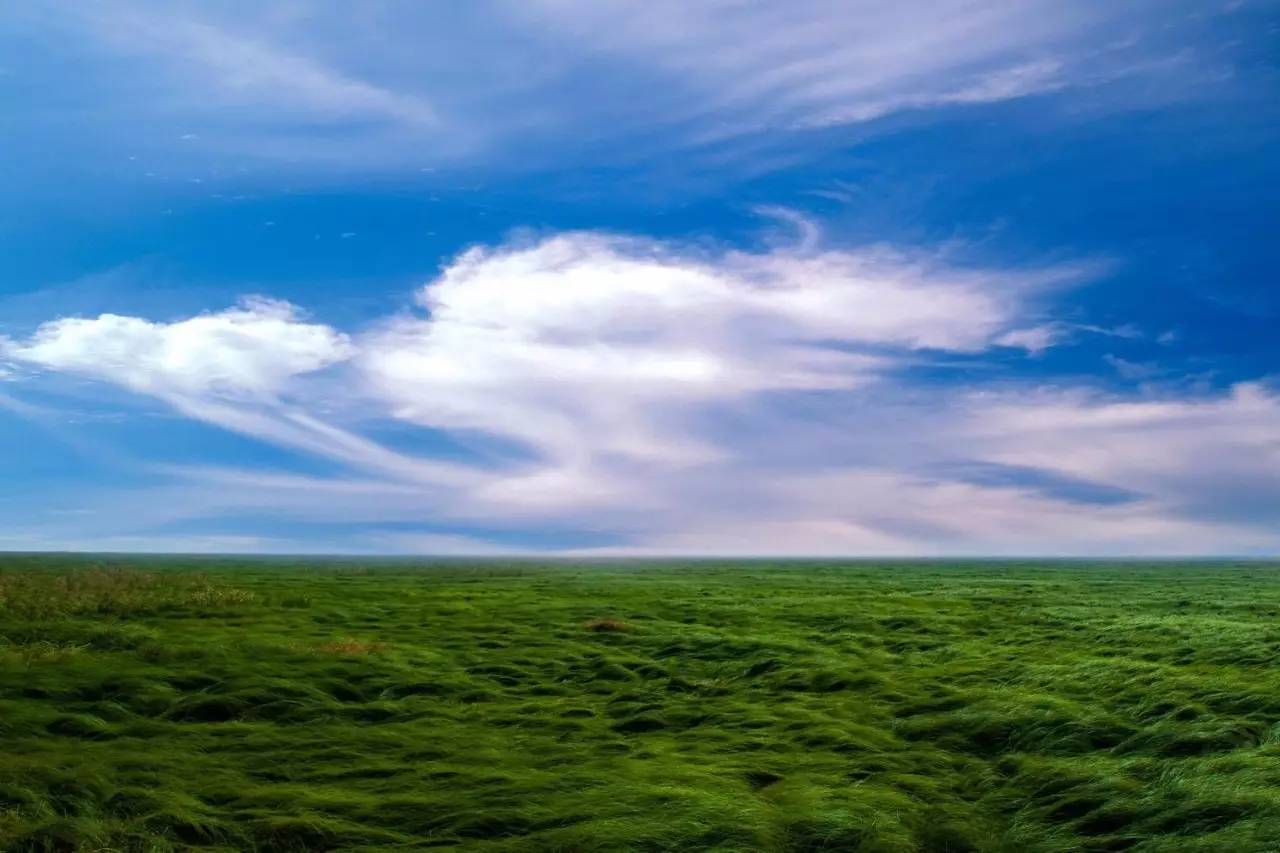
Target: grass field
{"x": 171, "y": 704}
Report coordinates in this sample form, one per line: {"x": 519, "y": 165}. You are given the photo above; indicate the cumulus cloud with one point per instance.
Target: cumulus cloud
{"x": 743, "y": 402}
{"x": 239, "y": 369}
{"x": 585, "y": 345}
{"x": 678, "y": 400}
{"x": 251, "y": 350}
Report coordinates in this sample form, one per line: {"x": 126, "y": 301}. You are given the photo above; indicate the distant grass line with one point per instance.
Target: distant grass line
{"x": 110, "y": 592}
{"x": 156, "y": 704}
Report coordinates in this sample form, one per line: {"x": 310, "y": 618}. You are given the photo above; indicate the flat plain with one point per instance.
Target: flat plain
{"x": 151, "y": 704}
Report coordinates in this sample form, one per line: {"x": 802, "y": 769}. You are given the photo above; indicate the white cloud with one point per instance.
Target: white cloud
{"x": 585, "y": 346}
{"x": 1186, "y": 476}
{"x": 1189, "y": 453}
{"x": 695, "y": 401}
{"x": 252, "y": 350}
{"x": 239, "y": 369}
{"x": 1002, "y": 84}
{"x": 1036, "y": 339}
{"x": 1195, "y": 476}
{"x": 1033, "y": 339}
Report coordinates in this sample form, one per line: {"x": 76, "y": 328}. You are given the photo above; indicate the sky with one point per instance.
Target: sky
{"x": 641, "y": 277}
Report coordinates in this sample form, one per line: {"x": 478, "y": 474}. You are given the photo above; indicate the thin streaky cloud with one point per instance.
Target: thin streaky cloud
{"x": 235, "y": 67}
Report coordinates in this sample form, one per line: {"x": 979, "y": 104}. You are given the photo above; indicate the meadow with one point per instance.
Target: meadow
{"x": 154, "y": 704}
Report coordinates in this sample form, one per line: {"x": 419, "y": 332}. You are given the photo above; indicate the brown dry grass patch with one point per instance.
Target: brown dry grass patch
{"x": 349, "y": 646}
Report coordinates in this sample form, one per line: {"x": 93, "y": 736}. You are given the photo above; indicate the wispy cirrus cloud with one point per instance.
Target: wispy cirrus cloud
{"x": 228, "y": 67}
{"x": 995, "y": 471}
{"x": 393, "y": 84}
{"x": 746, "y": 68}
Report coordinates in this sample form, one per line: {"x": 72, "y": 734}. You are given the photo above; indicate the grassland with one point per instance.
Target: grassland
{"x": 240, "y": 705}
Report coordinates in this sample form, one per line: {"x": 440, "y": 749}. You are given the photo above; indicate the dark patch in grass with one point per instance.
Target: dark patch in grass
{"x": 759, "y": 779}
{"x": 207, "y": 709}
{"x": 639, "y": 724}
{"x": 418, "y": 688}
{"x": 763, "y": 666}
{"x": 606, "y": 625}
{"x": 493, "y": 825}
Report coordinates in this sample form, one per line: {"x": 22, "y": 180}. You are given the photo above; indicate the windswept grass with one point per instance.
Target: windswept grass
{"x": 152, "y": 705}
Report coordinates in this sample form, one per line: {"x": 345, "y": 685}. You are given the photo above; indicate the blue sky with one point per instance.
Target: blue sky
{"x": 616, "y": 277}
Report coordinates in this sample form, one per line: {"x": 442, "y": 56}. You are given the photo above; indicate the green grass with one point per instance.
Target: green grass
{"x": 173, "y": 704}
